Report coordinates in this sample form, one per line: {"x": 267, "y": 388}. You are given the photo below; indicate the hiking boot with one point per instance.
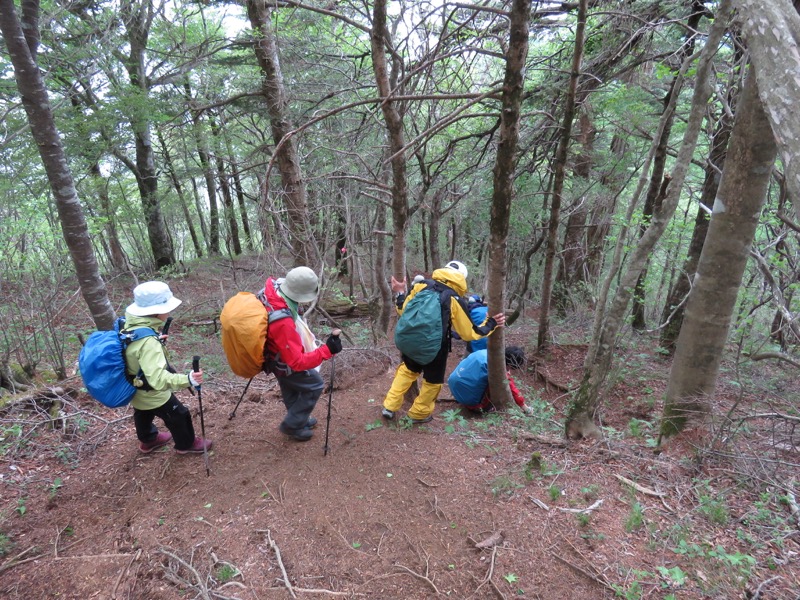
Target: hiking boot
{"x": 161, "y": 440}
{"x": 301, "y": 435}
{"x": 387, "y": 414}
{"x": 311, "y": 423}
{"x": 198, "y": 446}
{"x": 427, "y": 419}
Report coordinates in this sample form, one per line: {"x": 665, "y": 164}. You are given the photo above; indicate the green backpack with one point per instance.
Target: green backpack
{"x": 425, "y": 323}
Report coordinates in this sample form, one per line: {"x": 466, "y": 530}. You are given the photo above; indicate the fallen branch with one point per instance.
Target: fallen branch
{"x": 539, "y": 503}
{"x": 274, "y": 547}
{"x": 419, "y": 576}
{"x": 124, "y": 572}
{"x": 583, "y": 572}
{"x": 639, "y": 488}
{"x": 15, "y": 561}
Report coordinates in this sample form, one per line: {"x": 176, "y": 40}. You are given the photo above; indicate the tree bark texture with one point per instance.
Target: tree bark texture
{"x": 293, "y": 187}
{"x": 380, "y": 40}
{"x": 560, "y": 168}
{"x": 503, "y": 190}
{"x": 40, "y": 117}
{"x": 599, "y": 358}
{"x": 772, "y": 31}
{"x": 735, "y": 215}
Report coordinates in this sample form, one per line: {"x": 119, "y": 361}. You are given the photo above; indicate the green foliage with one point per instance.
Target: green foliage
{"x": 226, "y": 573}
{"x": 374, "y": 425}
{"x": 5, "y": 544}
{"x": 504, "y": 485}
{"x": 635, "y": 518}
{"x": 554, "y": 492}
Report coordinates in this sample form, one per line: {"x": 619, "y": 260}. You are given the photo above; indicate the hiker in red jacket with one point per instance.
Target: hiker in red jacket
{"x": 294, "y": 363}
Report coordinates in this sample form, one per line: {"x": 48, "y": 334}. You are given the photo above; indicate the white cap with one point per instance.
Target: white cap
{"x": 152, "y": 298}
{"x": 301, "y": 285}
{"x": 458, "y": 266}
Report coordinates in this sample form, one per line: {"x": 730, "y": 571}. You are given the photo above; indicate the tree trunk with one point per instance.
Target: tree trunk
{"x": 503, "y": 189}
{"x": 294, "y": 190}
{"x": 607, "y": 325}
{"x": 772, "y": 31}
{"x": 227, "y": 198}
{"x": 40, "y": 117}
{"x": 560, "y": 167}
{"x": 734, "y": 218}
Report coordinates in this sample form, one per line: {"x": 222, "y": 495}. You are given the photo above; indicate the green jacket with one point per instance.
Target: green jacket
{"x": 150, "y": 355}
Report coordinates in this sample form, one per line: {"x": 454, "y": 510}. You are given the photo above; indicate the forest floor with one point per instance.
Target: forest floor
{"x": 493, "y": 507}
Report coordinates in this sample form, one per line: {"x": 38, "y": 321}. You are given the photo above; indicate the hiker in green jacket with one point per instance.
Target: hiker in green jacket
{"x": 153, "y": 301}
{"x": 454, "y": 276}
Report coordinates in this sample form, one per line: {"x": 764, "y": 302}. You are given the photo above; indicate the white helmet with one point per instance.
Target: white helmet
{"x": 301, "y": 285}
{"x": 458, "y": 266}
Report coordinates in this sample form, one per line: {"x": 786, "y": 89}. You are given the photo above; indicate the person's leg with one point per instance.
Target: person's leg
{"x": 403, "y": 379}
{"x": 300, "y": 392}
{"x": 178, "y": 420}
{"x": 143, "y": 421}
{"x": 432, "y": 380}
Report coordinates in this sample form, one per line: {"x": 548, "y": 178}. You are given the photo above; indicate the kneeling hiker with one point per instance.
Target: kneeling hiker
{"x": 293, "y": 364}
{"x": 431, "y": 310}
{"x": 147, "y": 364}
{"x": 469, "y": 381}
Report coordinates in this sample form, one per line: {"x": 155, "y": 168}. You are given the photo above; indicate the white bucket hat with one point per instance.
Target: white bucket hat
{"x": 301, "y": 285}
{"x": 152, "y": 298}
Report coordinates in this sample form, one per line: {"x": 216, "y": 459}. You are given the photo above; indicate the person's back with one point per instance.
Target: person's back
{"x": 469, "y": 381}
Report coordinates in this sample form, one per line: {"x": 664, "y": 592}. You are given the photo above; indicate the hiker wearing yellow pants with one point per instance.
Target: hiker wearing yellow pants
{"x": 455, "y": 315}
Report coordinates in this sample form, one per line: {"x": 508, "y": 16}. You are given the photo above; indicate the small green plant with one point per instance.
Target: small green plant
{"x": 554, "y": 492}
{"x": 637, "y": 427}
{"x": 356, "y": 545}
{"x": 405, "y": 423}
{"x": 226, "y": 573}
{"x": 504, "y": 485}
{"x": 374, "y": 425}
{"x": 591, "y": 491}
{"x": 635, "y": 518}
{"x": 714, "y": 509}
{"x": 54, "y": 487}
{"x": 583, "y": 518}
{"x": 21, "y": 509}
{"x": 5, "y": 544}
{"x": 511, "y": 578}
{"x": 534, "y": 465}
{"x": 454, "y": 419}
{"x": 9, "y": 437}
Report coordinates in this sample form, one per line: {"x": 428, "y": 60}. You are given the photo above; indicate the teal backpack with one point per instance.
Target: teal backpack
{"x": 425, "y": 323}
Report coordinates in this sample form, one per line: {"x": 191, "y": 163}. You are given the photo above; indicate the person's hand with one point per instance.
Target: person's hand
{"x": 500, "y": 319}
{"x": 196, "y": 377}
{"x": 398, "y": 287}
{"x": 334, "y": 344}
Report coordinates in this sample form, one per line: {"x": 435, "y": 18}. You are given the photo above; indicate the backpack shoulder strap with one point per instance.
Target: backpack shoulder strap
{"x": 276, "y": 315}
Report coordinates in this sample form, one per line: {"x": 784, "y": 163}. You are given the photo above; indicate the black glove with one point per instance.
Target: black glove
{"x": 334, "y": 344}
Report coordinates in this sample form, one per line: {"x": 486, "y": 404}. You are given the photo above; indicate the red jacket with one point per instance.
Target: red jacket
{"x": 283, "y": 341}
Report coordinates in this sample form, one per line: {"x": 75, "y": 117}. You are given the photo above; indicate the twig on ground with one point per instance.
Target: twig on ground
{"x": 582, "y": 572}
{"x": 419, "y": 576}
{"x": 488, "y": 577}
{"x": 762, "y": 585}
{"x": 274, "y": 547}
{"x": 588, "y": 509}
{"x": 123, "y": 572}
{"x": 14, "y": 561}
{"x": 200, "y": 585}
{"x": 539, "y": 503}
{"x": 426, "y": 484}
{"x": 639, "y": 488}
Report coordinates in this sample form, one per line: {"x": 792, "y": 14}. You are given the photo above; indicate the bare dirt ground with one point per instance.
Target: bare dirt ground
{"x": 492, "y": 507}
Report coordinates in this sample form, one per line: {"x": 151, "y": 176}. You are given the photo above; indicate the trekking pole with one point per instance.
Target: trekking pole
{"x": 335, "y": 332}
{"x": 233, "y": 414}
{"x": 165, "y": 329}
{"x": 196, "y": 368}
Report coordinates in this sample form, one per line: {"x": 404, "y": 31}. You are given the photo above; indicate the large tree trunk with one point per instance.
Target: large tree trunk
{"x": 31, "y": 88}
{"x": 607, "y": 325}
{"x": 772, "y": 31}
{"x": 294, "y": 189}
{"x": 560, "y": 168}
{"x": 380, "y": 40}
{"x": 672, "y": 315}
{"x": 503, "y": 189}
{"x": 737, "y": 207}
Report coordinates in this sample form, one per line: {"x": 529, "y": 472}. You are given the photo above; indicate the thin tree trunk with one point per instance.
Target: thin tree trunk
{"x": 227, "y": 198}
{"x": 503, "y": 189}
{"x": 741, "y": 196}
{"x": 22, "y": 51}
{"x": 560, "y": 168}
{"x": 294, "y": 190}
{"x": 380, "y": 41}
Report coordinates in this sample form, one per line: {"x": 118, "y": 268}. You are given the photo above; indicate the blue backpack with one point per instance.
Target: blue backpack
{"x": 477, "y": 314}
{"x": 469, "y": 380}
{"x": 102, "y": 364}
{"x": 425, "y": 323}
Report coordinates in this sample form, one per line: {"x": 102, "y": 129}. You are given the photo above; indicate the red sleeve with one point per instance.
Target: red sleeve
{"x": 283, "y": 339}
{"x": 515, "y": 392}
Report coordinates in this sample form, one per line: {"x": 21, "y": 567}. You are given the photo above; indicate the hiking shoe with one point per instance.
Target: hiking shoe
{"x": 198, "y": 446}
{"x": 387, "y": 414}
{"x": 311, "y": 423}
{"x": 427, "y": 419}
{"x": 301, "y": 435}
{"x": 161, "y": 440}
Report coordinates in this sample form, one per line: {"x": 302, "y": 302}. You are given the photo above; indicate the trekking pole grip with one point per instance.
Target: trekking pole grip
{"x": 196, "y": 365}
